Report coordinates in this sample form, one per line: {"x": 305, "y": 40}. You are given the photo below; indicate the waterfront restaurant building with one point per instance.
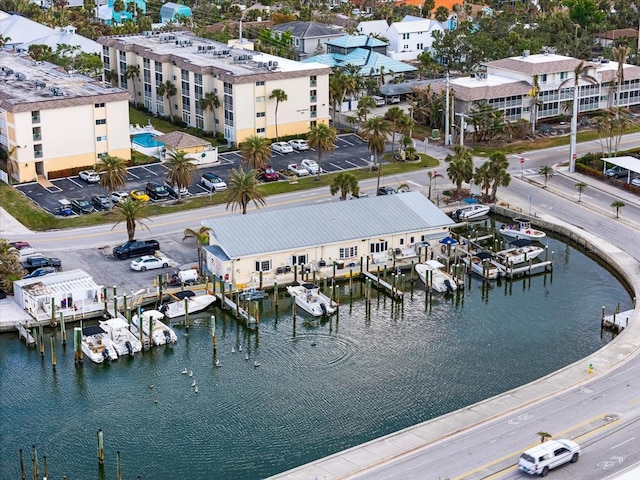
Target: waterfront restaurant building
{"x": 378, "y": 231}
{"x": 242, "y": 80}
{"x": 51, "y": 120}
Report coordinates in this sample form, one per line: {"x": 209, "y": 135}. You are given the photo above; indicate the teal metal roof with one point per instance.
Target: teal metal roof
{"x": 354, "y": 41}
{"x": 368, "y": 61}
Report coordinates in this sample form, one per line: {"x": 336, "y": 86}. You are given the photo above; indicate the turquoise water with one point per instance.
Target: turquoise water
{"x": 319, "y": 389}
{"x": 146, "y": 140}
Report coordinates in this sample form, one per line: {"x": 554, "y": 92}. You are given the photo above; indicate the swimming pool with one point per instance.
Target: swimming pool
{"x": 146, "y": 140}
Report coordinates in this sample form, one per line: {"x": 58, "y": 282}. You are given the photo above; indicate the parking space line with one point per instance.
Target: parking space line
{"x": 354, "y": 164}
{"x": 73, "y": 181}
{"x": 343, "y": 140}
{"x": 133, "y": 175}
{"x": 150, "y": 171}
{"x": 337, "y": 167}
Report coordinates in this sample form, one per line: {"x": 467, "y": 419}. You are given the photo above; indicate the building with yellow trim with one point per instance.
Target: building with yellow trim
{"x": 240, "y": 78}
{"x": 52, "y": 121}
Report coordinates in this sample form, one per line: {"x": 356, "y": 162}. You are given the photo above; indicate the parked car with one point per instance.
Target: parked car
{"x": 64, "y": 208}
{"x": 393, "y": 99}
{"x": 38, "y": 261}
{"x": 299, "y": 144}
{"x": 117, "y": 197}
{"x": 386, "y": 191}
{"x": 173, "y": 192}
{"x": 310, "y": 165}
{"x": 636, "y": 182}
{"x": 299, "y": 170}
{"x": 139, "y": 195}
{"x": 41, "y": 272}
{"x": 149, "y": 262}
{"x": 89, "y": 176}
{"x": 100, "y": 202}
{"x": 616, "y": 172}
{"x": 80, "y": 206}
{"x": 156, "y": 191}
{"x": 379, "y": 100}
{"x": 281, "y": 147}
{"x": 268, "y": 174}
{"x": 136, "y": 248}
{"x": 540, "y": 459}
{"x": 213, "y": 182}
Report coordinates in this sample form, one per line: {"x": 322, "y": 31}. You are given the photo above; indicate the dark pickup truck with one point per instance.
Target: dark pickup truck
{"x": 136, "y": 248}
{"x": 33, "y": 263}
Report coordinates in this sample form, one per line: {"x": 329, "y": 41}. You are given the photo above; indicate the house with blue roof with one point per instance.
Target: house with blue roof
{"x": 109, "y": 16}
{"x": 172, "y": 12}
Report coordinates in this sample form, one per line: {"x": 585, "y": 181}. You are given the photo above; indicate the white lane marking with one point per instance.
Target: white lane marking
{"x": 626, "y": 441}
{"x": 343, "y": 140}
{"x": 133, "y": 174}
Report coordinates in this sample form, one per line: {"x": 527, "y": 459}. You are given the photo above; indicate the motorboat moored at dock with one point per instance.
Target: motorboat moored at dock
{"x": 97, "y": 345}
{"x": 472, "y": 212}
{"x": 433, "y": 275}
{"x": 252, "y": 294}
{"x": 195, "y": 303}
{"x": 308, "y": 297}
{"x": 521, "y": 252}
{"x": 161, "y": 334}
{"x": 522, "y": 229}
{"x": 125, "y": 342}
{"x": 483, "y": 264}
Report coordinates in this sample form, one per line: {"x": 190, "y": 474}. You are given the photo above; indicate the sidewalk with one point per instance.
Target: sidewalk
{"x": 10, "y": 227}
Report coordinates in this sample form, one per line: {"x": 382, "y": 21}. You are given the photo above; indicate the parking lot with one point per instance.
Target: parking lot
{"x": 350, "y": 153}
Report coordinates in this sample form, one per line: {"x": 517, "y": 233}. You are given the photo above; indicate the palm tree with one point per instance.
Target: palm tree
{"x": 114, "y": 174}
{"x": 210, "y": 101}
{"x": 544, "y": 436}
{"x": 619, "y": 55}
{"x": 482, "y": 178}
{"x": 280, "y": 96}
{"x": 201, "y": 237}
{"x": 168, "y": 89}
{"x": 547, "y": 172}
{"x": 460, "y": 167}
{"x": 322, "y": 137}
{"x": 255, "y": 151}
{"x": 365, "y": 104}
{"x": 393, "y": 116}
{"x": 4, "y": 40}
{"x": 244, "y": 188}
{"x": 344, "y": 183}
{"x": 10, "y": 266}
{"x": 580, "y": 186}
{"x": 375, "y": 131}
{"x": 181, "y": 170}
{"x": 498, "y": 164}
{"x": 617, "y": 205}
{"x": 132, "y": 213}
{"x": 133, "y": 73}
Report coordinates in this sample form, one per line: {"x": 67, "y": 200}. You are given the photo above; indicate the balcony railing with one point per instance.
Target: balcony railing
{"x": 37, "y": 153}
{"x": 313, "y": 98}
{"x": 36, "y": 136}
{"x": 35, "y": 119}
{"x": 314, "y": 114}
{"x": 313, "y": 83}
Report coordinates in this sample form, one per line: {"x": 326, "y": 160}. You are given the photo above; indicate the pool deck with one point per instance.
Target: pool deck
{"x": 151, "y": 151}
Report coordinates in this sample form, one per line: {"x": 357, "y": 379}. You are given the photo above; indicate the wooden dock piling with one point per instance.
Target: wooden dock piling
{"x": 34, "y": 462}
{"x": 100, "y": 447}
{"x": 53, "y": 352}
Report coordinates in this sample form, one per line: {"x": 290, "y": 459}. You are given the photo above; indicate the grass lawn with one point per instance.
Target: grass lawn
{"x": 35, "y": 218}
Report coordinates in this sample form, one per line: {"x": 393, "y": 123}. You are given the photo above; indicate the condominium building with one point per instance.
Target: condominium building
{"x": 242, "y": 80}
{"x": 51, "y": 121}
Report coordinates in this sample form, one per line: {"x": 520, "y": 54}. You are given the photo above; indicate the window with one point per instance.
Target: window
{"x": 260, "y": 130}
{"x": 313, "y": 80}
{"x": 543, "y": 78}
{"x": 260, "y": 114}
{"x": 405, "y": 36}
{"x": 99, "y": 105}
{"x": 402, "y": 241}
{"x": 564, "y": 75}
{"x": 299, "y": 259}
{"x": 420, "y": 46}
{"x": 101, "y": 121}
{"x": 411, "y": 240}
{"x": 259, "y": 84}
{"x": 197, "y": 78}
{"x": 35, "y": 116}
{"x": 228, "y": 88}
{"x": 380, "y": 246}
{"x": 101, "y": 138}
{"x": 259, "y": 99}
{"x": 263, "y": 265}
{"x": 348, "y": 252}
{"x": 313, "y": 123}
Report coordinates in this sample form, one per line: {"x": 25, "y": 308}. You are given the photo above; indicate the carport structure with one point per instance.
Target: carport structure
{"x": 630, "y": 164}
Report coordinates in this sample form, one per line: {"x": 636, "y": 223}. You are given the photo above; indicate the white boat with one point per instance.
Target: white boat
{"x": 252, "y": 294}
{"x": 97, "y": 345}
{"x": 472, "y": 212}
{"x": 521, "y": 252}
{"x": 483, "y": 264}
{"x": 125, "y": 342}
{"x": 308, "y": 297}
{"x": 160, "y": 333}
{"x": 522, "y": 229}
{"x": 431, "y": 273}
{"x": 195, "y": 303}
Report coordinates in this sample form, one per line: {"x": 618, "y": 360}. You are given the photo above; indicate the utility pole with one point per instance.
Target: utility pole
{"x": 447, "y": 138}
{"x": 574, "y": 129}
{"x": 462, "y": 116}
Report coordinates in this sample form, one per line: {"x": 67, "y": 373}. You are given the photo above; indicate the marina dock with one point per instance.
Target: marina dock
{"x": 240, "y": 312}
{"x": 617, "y": 321}
{"x": 395, "y": 293}
{"x": 24, "y": 333}
{"x": 528, "y": 269}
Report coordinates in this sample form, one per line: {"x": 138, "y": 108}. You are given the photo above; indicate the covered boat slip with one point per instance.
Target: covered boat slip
{"x": 72, "y": 293}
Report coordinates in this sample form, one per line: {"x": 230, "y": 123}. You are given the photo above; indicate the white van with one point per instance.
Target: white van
{"x": 379, "y": 100}
{"x": 542, "y": 458}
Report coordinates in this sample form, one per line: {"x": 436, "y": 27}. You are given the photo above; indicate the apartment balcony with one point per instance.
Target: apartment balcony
{"x": 314, "y": 114}
{"x": 313, "y": 83}
{"x": 35, "y": 119}
{"x": 36, "y": 136}
{"x": 313, "y": 99}
{"x": 37, "y": 153}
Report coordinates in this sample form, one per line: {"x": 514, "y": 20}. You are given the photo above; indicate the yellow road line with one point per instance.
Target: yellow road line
{"x": 557, "y": 435}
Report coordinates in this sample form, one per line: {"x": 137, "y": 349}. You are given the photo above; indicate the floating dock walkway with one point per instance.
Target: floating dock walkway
{"x": 617, "y": 321}
{"x": 395, "y": 293}
{"x": 240, "y": 312}
{"x": 24, "y": 333}
{"x": 529, "y": 269}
